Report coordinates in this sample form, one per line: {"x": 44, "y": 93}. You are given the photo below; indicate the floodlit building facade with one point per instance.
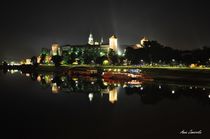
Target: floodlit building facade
{"x": 113, "y": 44}
{"x": 56, "y": 49}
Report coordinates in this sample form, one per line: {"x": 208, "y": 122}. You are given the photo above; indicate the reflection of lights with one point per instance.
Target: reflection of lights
{"x": 115, "y": 69}
{"x": 119, "y": 70}
{"x": 75, "y": 79}
{"x": 125, "y": 70}
{"x": 27, "y": 74}
{"x": 173, "y": 91}
{"x": 135, "y": 82}
{"x": 90, "y": 96}
{"x": 159, "y": 87}
{"x": 124, "y": 85}
{"x": 48, "y": 78}
{"x": 109, "y": 69}
{"x": 63, "y": 78}
{"x": 142, "y": 88}
{"x": 105, "y": 83}
{"x": 12, "y": 71}
{"x": 55, "y": 88}
{"x": 113, "y": 95}
{"x": 39, "y": 78}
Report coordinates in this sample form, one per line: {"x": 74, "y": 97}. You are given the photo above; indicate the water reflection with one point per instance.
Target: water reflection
{"x": 149, "y": 92}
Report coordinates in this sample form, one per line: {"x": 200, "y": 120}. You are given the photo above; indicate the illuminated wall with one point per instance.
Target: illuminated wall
{"x": 113, "y": 44}
{"x": 56, "y": 50}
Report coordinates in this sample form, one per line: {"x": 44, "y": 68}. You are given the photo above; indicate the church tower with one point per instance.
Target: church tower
{"x": 90, "y": 39}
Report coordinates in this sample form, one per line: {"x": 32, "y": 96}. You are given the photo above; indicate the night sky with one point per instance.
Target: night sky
{"x": 28, "y": 26}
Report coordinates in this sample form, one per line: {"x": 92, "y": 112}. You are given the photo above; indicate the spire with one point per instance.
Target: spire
{"x": 90, "y": 39}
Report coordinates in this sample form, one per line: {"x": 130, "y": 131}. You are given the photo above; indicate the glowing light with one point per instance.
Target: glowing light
{"x": 75, "y": 63}
{"x": 28, "y": 62}
{"x": 39, "y": 78}
{"x": 92, "y": 82}
{"x": 105, "y": 62}
{"x": 75, "y": 79}
{"x": 173, "y": 91}
{"x": 193, "y": 65}
{"x": 119, "y": 53}
{"x": 142, "y": 88}
{"x": 159, "y": 87}
{"x": 27, "y": 74}
{"x": 204, "y": 89}
{"x": 209, "y": 95}
{"x": 124, "y": 85}
{"x": 90, "y": 96}
{"x": 125, "y": 70}
{"x": 105, "y": 83}
{"x": 55, "y": 88}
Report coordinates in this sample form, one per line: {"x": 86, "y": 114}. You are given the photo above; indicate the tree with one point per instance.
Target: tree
{"x": 34, "y": 61}
{"x": 113, "y": 57}
{"x": 57, "y": 60}
{"x": 4, "y": 64}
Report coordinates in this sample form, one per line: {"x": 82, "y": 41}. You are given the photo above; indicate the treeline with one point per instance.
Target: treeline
{"x": 154, "y": 52}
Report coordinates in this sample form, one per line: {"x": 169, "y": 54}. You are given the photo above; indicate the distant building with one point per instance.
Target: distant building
{"x": 28, "y": 62}
{"x": 141, "y": 44}
{"x": 113, "y": 44}
{"x": 55, "y": 49}
{"x": 143, "y": 40}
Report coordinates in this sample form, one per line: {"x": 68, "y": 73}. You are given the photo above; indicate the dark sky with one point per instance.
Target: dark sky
{"x": 27, "y": 26}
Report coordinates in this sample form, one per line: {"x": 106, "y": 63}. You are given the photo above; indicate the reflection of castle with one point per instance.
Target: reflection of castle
{"x": 112, "y": 92}
{"x": 113, "y": 95}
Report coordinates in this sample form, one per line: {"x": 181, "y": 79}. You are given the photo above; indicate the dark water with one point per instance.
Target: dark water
{"x": 54, "y": 106}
